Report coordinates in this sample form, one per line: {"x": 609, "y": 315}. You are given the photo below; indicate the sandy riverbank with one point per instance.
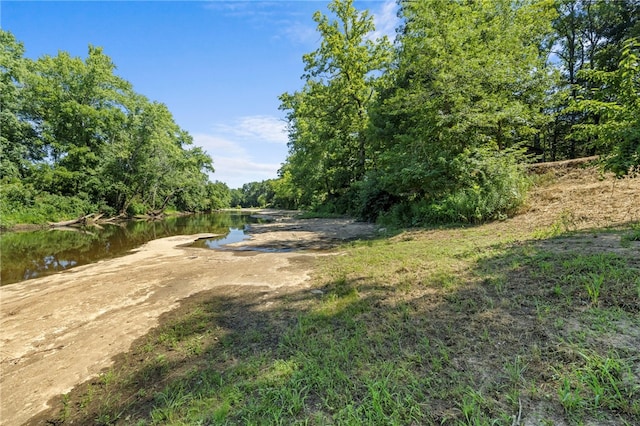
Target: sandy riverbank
{"x": 61, "y": 330}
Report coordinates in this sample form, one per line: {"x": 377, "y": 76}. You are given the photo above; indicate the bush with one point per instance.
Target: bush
{"x": 489, "y": 185}
{"x": 15, "y": 194}
{"x": 58, "y": 207}
{"x": 136, "y": 208}
{"x": 371, "y": 199}
{"x": 20, "y": 204}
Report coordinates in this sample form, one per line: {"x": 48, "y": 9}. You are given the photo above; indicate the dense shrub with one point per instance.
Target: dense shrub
{"x": 22, "y": 204}
{"x": 489, "y": 185}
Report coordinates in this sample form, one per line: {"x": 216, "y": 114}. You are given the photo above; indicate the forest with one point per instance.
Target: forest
{"x": 77, "y": 139}
{"x": 437, "y": 126}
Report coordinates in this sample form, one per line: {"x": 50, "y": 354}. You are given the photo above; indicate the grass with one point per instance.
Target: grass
{"x": 458, "y": 326}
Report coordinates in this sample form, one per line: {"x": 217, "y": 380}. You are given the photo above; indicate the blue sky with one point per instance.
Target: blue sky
{"x": 218, "y": 65}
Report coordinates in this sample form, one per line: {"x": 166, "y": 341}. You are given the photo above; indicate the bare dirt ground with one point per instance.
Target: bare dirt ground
{"x": 61, "y": 330}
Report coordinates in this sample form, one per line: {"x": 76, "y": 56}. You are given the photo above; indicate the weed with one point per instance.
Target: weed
{"x": 107, "y": 378}
{"x": 515, "y": 370}
{"x": 64, "y": 414}
{"x": 543, "y": 309}
{"x": 570, "y": 397}
{"x": 601, "y": 382}
{"x": 498, "y": 282}
{"x": 593, "y": 283}
{"x": 632, "y": 235}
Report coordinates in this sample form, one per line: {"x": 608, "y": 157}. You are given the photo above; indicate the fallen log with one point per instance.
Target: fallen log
{"x": 82, "y": 220}
{"x": 97, "y": 217}
{"x": 540, "y": 168}
{"x": 120, "y": 217}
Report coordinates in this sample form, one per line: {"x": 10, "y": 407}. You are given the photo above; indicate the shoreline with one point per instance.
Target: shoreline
{"x": 61, "y": 330}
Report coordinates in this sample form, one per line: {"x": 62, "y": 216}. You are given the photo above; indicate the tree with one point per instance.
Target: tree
{"x": 76, "y": 108}
{"x": 218, "y": 196}
{"x": 72, "y": 129}
{"x": 18, "y": 143}
{"x": 150, "y": 164}
{"x": 328, "y": 118}
{"x": 617, "y": 103}
{"x": 470, "y": 84}
{"x": 590, "y": 35}
{"x": 256, "y": 194}
{"x": 285, "y": 194}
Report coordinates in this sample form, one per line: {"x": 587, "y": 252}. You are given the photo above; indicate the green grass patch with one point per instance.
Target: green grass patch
{"x": 463, "y": 326}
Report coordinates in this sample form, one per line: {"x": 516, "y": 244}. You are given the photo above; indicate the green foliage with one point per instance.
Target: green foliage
{"x": 602, "y": 382}
{"x": 632, "y": 235}
{"x": 423, "y": 133}
{"x": 18, "y": 143}
{"x": 328, "y": 118}
{"x": 23, "y": 204}
{"x": 590, "y": 37}
{"x": 617, "y": 103}
{"x": 256, "y": 194}
{"x": 285, "y": 194}
{"x": 276, "y": 193}
{"x": 493, "y": 185}
{"x": 435, "y": 138}
{"x": 218, "y": 196}
{"x": 72, "y": 128}
{"x": 372, "y": 199}
{"x": 462, "y": 94}
{"x": 488, "y": 185}
{"x": 469, "y": 81}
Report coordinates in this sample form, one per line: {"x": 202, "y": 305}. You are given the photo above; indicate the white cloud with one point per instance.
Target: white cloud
{"x": 236, "y": 171}
{"x": 386, "y": 20}
{"x": 240, "y": 154}
{"x": 300, "y": 33}
{"x": 292, "y": 24}
{"x": 257, "y": 128}
{"x": 215, "y": 144}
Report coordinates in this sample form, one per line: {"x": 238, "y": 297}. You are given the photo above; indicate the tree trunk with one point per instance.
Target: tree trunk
{"x": 82, "y": 220}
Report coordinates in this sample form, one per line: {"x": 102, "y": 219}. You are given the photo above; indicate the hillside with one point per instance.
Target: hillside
{"x": 580, "y": 197}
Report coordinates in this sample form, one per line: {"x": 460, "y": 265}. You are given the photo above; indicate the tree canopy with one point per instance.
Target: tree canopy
{"x": 440, "y": 126}
{"x": 75, "y": 134}
{"x": 328, "y": 118}
{"x": 436, "y": 126}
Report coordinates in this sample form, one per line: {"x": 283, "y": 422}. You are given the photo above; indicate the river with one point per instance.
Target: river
{"x": 27, "y": 255}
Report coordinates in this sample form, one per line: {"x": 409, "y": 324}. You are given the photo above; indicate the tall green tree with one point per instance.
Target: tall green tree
{"x": 151, "y": 163}
{"x": 218, "y": 196}
{"x": 328, "y": 118}
{"x": 589, "y": 35}
{"x": 19, "y": 146}
{"x": 73, "y": 130}
{"x": 76, "y": 107}
{"x": 617, "y": 103}
{"x": 470, "y": 84}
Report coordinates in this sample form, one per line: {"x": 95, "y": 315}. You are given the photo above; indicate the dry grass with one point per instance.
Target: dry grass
{"x": 580, "y": 198}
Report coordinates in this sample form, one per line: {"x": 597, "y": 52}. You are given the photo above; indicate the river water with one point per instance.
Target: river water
{"x": 27, "y": 255}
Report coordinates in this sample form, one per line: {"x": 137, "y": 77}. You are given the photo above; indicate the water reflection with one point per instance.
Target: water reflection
{"x": 26, "y": 255}
{"x": 235, "y": 235}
